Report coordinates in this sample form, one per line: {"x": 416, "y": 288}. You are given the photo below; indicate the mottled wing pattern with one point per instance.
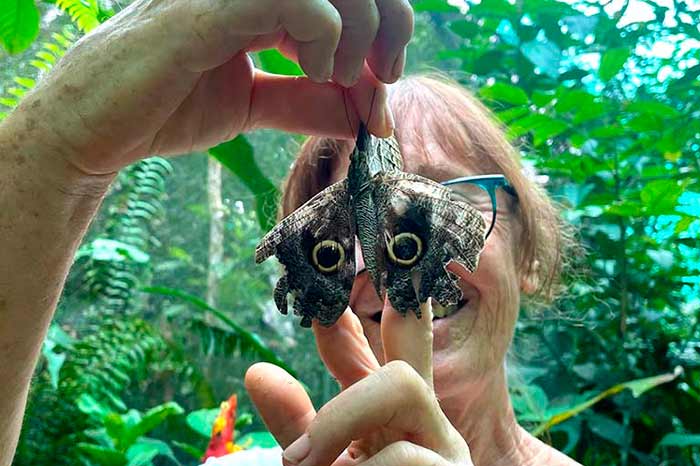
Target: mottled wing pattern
{"x": 448, "y": 229}
{"x": 384, "y": 155}
{"x": 317, "y": 294}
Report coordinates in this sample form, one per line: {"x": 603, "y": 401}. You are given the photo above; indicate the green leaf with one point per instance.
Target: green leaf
{"x": 145, "y": 449}
{"x": 195, "y": 452}
{"x": 638, "y": 387}
{"x": 608, "y": 429}
{"x": 505, "y": 93}
{"x": 87, "y": 404}
{"x": 202, "y": 420}
{"x": 506, "y": 116}
{"x": 544, "y": 54}
{"x": 434, "y": 6}
{"x": 273, "y": 61}
{"x": 680, "y": 440}
{"x": 612, "y": 62}
{"x": 84, "y": 13}
{"x": 249, "y": 339}
{"x": 102, "y": 455}
{"x": 19, "y": 25}
{"x": 653, "y": 108}
{"x": 463, "y": 28}
{"x": 257, "y": 439}
{"x": 661, "y": 196}
{"x": 237, "y": 156}
{"x": 116, "y": 429}
{"x": 110, "y": 250}
{"x": 153, "y": 418}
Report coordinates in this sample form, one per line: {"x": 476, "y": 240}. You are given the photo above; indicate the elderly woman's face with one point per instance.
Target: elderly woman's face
{"x": 471, "y": 343}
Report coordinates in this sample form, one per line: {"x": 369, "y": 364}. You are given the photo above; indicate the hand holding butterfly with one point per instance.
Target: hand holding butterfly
{"x": 385, "y": 415}
{"x": 171, "y": 77}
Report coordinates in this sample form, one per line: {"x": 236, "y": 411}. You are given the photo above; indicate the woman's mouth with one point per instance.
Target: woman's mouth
{"x": 439, "y": 312}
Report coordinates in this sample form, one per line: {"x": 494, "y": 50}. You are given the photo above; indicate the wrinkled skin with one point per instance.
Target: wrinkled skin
{"x": 165, "y": 77}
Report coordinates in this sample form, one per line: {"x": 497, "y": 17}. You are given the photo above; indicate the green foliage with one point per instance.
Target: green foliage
{"x": 86, "y": 14}
{"x": 120, "y": 438}
{"x": 237, "y": 156}
{"x": 582, "y": 97}
{"x": 242, "y": 340}
{"x": 43, "y": 60}
{"x": 607, "y": 124}
{"x": 19, "y": 24}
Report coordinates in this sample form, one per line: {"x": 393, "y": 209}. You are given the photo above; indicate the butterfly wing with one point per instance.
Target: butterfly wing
{"x": 424, "y": 228}
{"x": 316, "y": 245}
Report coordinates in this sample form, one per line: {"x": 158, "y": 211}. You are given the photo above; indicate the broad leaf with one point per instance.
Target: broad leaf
{"x": 249, "y": 339}
{"x": 202, "y": 420}
{"x": 434, "y": 6}
{"x": 19, "y": 24}
{"x": 273, "y": 61}
{"x": 102, "y": 455}
{"x": 237, "y": 156}
{"x": 504, "y": 92}
{"x": 612, "y": 62}
{"x": 680, "y": 440}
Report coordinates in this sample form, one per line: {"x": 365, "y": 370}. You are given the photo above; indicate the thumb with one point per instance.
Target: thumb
{"x": 299, "y": 105}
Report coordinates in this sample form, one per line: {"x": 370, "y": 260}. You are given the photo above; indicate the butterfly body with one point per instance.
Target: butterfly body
{"x": 408, "y": 228}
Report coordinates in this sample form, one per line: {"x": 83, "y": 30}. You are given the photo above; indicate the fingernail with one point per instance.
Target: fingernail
{"x": 298, "y": 451}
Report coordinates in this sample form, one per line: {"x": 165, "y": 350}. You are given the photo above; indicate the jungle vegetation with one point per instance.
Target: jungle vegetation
{"x": 164, "y": 308}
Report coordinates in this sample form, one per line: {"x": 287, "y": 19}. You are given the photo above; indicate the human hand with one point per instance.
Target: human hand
{"x": 169, "y": 77}
{"x": 386, "y": 415}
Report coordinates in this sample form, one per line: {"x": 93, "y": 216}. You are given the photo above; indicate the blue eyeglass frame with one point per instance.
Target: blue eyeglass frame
{"x": 490, "y": 183}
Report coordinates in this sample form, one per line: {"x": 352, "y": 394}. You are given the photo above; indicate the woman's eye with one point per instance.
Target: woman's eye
{"x": 328, "y": 256}
{"x": 405, "y": 248}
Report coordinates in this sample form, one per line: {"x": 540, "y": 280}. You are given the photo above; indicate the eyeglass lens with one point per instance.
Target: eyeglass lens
{"x": 478, "y": 197}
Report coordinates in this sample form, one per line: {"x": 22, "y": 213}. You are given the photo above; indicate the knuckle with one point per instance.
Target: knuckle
{"x": 408, "y": 380}
{"x": 399, "y": 452}
{"x": 404, "y": 18}
{"x": 333, "y": 24}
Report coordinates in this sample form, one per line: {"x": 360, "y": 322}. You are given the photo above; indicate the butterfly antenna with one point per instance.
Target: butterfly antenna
{"x": 371, "y": 107}
{"x": 347, "y": 113}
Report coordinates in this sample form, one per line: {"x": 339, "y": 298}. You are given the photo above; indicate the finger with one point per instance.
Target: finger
{"x": 360, "y": 26}
{"x": 388, "y": 54}
{"x": 344, "y": 349}
{"x": 404, "y": 453}
{"x": 409, "y": 339}
{"x": 299, "y": 105}
{"x": 281, "y": 401}
{"x": 394, "y": 397}
{"x": 315, "y": 25}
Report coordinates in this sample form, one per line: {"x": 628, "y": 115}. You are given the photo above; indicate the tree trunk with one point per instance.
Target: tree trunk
{"x": 216, "y": 231}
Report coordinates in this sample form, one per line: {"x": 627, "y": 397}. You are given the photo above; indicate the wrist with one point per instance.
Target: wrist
{"x": 29, "y": 148}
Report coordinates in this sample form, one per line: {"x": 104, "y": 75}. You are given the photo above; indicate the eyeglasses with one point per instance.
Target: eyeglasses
{"x": 480, "y": 192}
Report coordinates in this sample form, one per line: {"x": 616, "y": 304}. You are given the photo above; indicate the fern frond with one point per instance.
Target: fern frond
{"x": 103, "y": 364}
{"x": 84, "y": 13}
{"x": 232, "y": 336}
{"x": 43, "y": 60}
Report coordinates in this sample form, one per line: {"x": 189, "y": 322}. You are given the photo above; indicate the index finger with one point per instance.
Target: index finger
{"x": 409, "y": 338}
{"x": 345, "y": 350}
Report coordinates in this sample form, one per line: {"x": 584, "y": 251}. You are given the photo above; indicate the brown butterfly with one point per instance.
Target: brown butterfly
{"x": 408, "y": 227}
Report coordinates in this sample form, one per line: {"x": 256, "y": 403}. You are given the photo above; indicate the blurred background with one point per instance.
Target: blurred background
{"x": 165, "y": 309}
